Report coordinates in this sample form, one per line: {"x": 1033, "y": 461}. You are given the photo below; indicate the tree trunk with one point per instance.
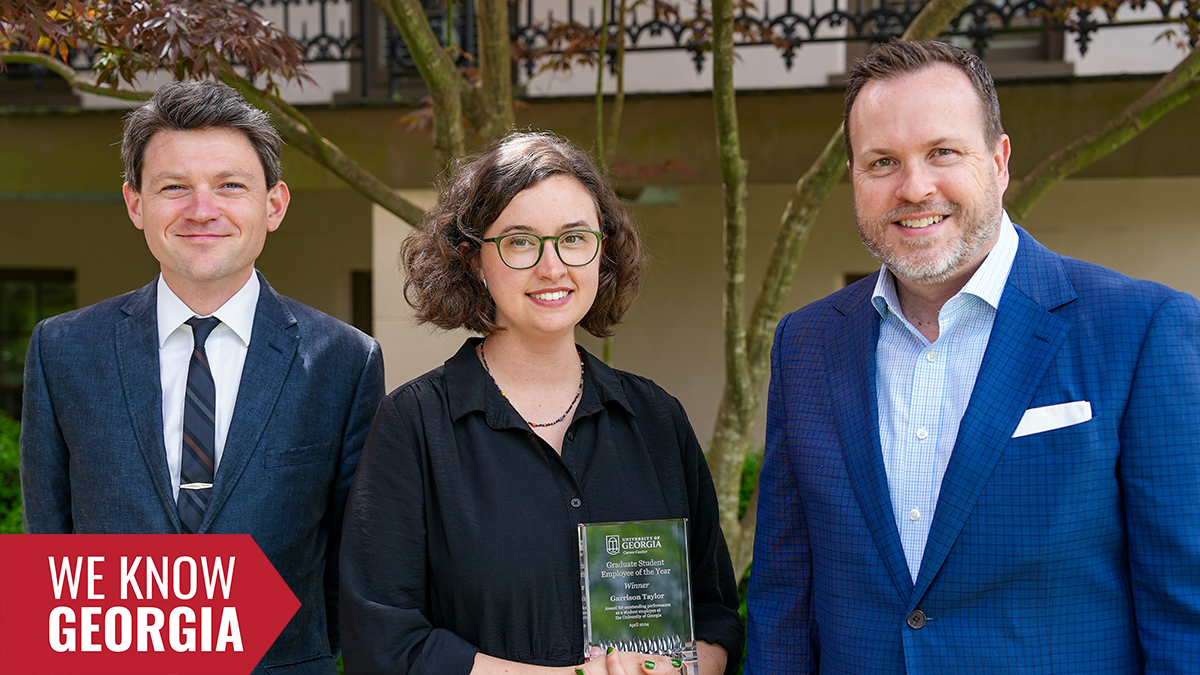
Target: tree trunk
{"x": 300, "y": 133}
{"x": 747, "y": 350}
{"x": 490, "y": 105}
{"x": 606, "y": 144}
{"x": 735, "y": 415}
{"x": 614, "y": 123}
{"x": 598, "y": 102}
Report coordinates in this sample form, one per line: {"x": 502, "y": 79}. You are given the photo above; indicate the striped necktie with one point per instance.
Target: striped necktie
{"x": 199, "y": 431}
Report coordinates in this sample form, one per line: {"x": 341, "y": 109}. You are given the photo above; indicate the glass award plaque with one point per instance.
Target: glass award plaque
{"x": 637, "y": 589}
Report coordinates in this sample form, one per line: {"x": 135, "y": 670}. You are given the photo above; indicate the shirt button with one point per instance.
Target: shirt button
{"x": 914, "y": 514}
{"x": 916, "y": 620}
{"x": 931, "y": 357}
{"x": 570, "y": 435}
{"x": 922, "y": 433}
{"x": 576, "y": 503}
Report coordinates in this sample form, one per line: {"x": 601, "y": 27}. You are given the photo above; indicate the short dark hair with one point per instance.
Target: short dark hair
{"x": 442, "y": 284}
{"x": 191, "y": 106}
{"x": 901, "y": 57}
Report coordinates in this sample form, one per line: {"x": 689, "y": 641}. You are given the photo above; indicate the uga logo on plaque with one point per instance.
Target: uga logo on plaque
{"x": 612, "y": 544}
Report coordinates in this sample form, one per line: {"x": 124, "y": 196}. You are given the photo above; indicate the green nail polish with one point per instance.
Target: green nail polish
{"x": 676, "y": 663}
{"x": 610, "y": 649}
{"x": 579, "y": 671}
{"x": 649, "y": 665}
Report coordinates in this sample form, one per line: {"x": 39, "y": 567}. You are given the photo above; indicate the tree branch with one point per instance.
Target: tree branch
{"x": 794, "y": 226}
{"x": 437, "y": 69}
{"x": 810, "y": 193}
{"x": 490, "y": 105}
{"x": 300, "y": 133}
{"x": 73, "y": 78}
{"x": 293, "y": 125}
{"x": 932, "y": 19}
{"x": 1174, "y": 89}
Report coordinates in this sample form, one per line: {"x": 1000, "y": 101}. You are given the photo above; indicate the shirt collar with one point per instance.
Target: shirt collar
{"x": 608, "y": 386}
{"x": 987, "y": 283}
{"x": 469, "y": 387}
{"x": 237, "y": 313}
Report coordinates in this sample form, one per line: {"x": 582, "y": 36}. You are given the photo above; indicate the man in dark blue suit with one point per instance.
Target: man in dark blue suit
{"x": 986, "y": 457}
{"x": 205, "y": 401}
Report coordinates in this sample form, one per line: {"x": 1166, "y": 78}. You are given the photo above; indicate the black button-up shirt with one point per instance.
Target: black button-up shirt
{"x": 461, "y": 530}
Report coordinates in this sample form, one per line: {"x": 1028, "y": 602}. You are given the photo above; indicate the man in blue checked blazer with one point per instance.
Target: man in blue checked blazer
{"x": 138, "y": 420}
{"x": 985, "y": 458}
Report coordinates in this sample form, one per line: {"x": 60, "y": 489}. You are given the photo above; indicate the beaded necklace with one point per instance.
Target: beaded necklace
{"x": 532, "y": 425}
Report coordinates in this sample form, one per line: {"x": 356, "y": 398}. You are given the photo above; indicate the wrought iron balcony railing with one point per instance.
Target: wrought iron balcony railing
{"x": 656, "y": 25}
{"x": 356, "y": 32}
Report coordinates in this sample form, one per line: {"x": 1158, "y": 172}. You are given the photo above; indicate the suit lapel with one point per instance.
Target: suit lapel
{"x": 850, "y": 355}
{"x": 273, "y": 345}
{"x": 136, "y": 341}
{"x": 1024, "y": 340}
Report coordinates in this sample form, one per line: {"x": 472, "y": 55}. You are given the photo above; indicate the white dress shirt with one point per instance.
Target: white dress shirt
{"x": 923, "y": 388}
{"x": 226, "y": 348}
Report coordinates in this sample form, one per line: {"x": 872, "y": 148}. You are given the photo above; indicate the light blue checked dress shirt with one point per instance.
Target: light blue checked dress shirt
{"x": 923, "y": 388}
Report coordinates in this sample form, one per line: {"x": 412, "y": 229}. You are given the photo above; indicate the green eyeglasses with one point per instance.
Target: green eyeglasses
{"x": 522, "y": 250}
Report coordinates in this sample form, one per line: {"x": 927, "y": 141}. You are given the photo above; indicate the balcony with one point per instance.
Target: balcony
{"x": 357, "y": 56}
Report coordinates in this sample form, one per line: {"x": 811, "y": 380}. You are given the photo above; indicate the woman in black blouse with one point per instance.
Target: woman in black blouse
{"x": 460, "y": 550}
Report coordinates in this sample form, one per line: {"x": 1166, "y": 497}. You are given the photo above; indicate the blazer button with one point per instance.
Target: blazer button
{"x": 916, "y": 620}
{"x": 576, "y": 502}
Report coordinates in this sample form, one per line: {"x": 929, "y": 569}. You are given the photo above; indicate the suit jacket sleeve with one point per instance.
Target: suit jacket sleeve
{"x": 367, "y": 395}
{"x": 385, "y": 585}
{"x": 1160, "y": 479}
{"x": 781, "y": 635}
{"x": 45, "y": 460}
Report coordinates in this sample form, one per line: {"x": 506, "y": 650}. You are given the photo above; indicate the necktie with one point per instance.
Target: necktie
{"x": 199, "y": 431}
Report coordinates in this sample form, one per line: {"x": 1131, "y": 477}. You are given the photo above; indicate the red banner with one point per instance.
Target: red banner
{"x": 137, "y": 604}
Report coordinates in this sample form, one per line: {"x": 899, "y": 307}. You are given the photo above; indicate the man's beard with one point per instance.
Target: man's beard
{"x": 906, "y": 260}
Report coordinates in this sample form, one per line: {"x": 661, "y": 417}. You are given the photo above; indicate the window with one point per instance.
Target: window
{"x": 361, "y": 313}
{"x": 1019, "y": 43}
{"x": 26, "y": 297}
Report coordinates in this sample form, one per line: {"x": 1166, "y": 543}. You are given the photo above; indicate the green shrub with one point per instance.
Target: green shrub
{"x": 10, "y": 476}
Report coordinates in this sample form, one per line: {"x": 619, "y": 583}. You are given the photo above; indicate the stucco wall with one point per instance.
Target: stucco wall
{"x": 1133, "y": 211}
{"x": 1145, "y": 228}
{"x": 68, "y": 151}
{"x": 325, "y": 236}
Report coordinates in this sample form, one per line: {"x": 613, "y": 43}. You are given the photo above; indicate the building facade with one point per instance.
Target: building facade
{"x": 64, "y": 231}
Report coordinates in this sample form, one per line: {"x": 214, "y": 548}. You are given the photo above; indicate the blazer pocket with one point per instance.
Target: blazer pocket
{"x": 308, "y": 454}
{"x": 1051, "y": 417}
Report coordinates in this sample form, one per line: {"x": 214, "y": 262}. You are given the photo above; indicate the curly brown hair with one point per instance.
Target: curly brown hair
{"x": 441, "y": 282}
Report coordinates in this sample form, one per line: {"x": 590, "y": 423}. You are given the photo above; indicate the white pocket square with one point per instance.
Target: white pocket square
{"x": 1048, "y": 418}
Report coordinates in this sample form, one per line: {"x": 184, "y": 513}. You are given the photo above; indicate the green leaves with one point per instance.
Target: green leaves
{"x": 10, "y": 477}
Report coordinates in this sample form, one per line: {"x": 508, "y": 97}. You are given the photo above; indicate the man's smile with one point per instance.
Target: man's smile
{"x": 921, "y": 223}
